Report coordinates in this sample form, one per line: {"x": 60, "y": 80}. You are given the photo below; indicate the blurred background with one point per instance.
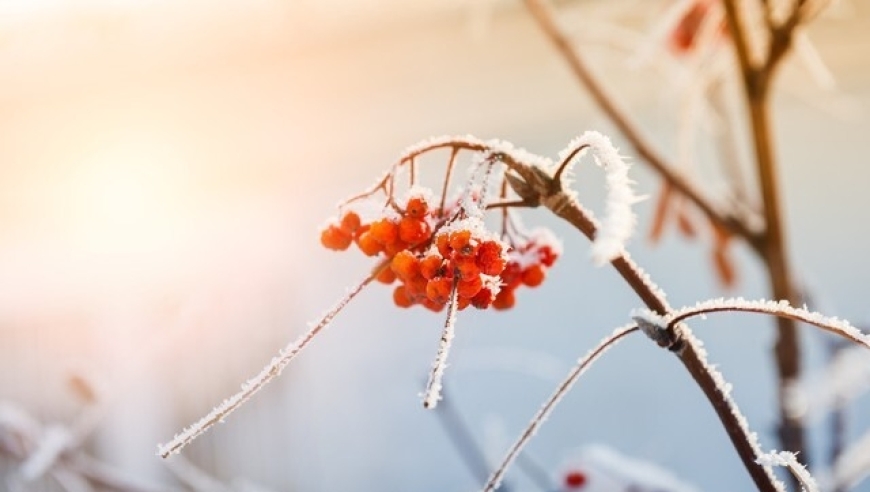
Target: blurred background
{"x": 165, "y": 167}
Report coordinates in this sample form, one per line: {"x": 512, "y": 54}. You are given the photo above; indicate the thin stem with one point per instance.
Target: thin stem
{"x": 564, "y": 387}
{"x": 627, "y": 126}
{"x": 772, "y": 247}
{"x": 270, "y": 372}
{"x": 779, "y": 309}
{"x": 682, "y": 343}
{"x": 447, "y": 175}
{"x": 433, "y": 387}
{"x": 557, "y": 177}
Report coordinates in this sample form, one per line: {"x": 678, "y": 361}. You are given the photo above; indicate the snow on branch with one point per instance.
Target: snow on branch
{"x": 271, "y": 371}
{"x": 433, "y": 386}
{"x": 619, "y": 219}
{"x": 564, "y": 387}
{"x": 776, "y": 308}
{"x": 789, "y": 460}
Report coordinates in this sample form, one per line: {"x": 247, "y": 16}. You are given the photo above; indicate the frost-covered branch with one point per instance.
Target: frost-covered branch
{"x": 775, "y": 308}
{"x": 433, "y": 386}
{"x": 271, "y": 371}
{"x": 628, "y": 127}
{"x": 619, "y": 219}
{"x": 789, "y": 460}
{"x": 564, "y": 387}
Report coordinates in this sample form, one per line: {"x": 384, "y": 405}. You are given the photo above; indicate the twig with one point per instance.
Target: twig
{"x": 270, "y": 372}
{"x": 563, "y": 388}
{"x": 756, "y": 82}
{"x": 629, "y": 129}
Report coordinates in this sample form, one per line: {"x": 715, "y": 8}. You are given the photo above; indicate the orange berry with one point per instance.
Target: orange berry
{"x": 414, "y": 231}
{"x": 504, "y": 300}
{"x": 395, "y": 247}
{"x": 405, "y": 265}
{"x": 416, "y": 288}
{"x": 360, "y": 231}
{"x": 385, "y": 231}
{"x": 402, "y": 298}
{"x": 469, "y": 287}
{"x": 467, "y": 268}
{"x": 417, "y": 208}
{"x": 368, "y": 244}
{"x": 386, "y": 276}
{"x": 547, "y": 256}
{"x": 334, "y": 238}
{"x": 433, "y": 306}
{"x": 534, "y": 275}
{"x": 462, "y": 303}
{"x": 438, "y": 289}
{"x": 430, "y": 266}
{"x": 350, "y": 222}
{"x": 489, "y": 258}
{"x": 512, "y": 275}
{"x": 463, "y": 244}
{"x": 483, "y": 299}
{"x": 442, "y": 242}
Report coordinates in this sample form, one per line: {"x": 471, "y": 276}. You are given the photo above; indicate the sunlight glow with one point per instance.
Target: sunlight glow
{"x": 127, "y": 198}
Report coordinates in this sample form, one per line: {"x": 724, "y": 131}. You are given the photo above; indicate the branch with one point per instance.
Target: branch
{"x": 772, "y": 247}
{"x": 564, "y": 387}
{"x": 270, "y": 372}
{"x": 629, "y": 129}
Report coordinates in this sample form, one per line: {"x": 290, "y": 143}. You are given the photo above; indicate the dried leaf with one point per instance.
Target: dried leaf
{"x": 684, "y": 223}
{"x": 661, "y": 212}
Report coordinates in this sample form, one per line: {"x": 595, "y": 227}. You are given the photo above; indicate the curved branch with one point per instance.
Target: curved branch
{"x": 270, "y": 372}
{"x": 564, "y": 387}
{"x": 629, "y": 128}
{"x": 780, "y": 309}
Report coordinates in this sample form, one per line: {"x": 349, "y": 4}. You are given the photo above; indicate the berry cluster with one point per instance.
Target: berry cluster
{"x": 431, "y": 255}
{"x": 528, "y": 263}
{"x": 411, "y": 230}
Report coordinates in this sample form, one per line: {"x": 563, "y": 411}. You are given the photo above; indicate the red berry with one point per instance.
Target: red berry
{"x": 384, "y": 231}
{"x": 417, "y": 208}
{"x": 413, "y": 231}
{"x": 402, "y": 298}
{"x": 489, "y": 258}
{"x": 395, "y": 247}
{"x": 469, "y": 287}
{"x": 386, "y": 276}
{"x": 334, "y": 238}
{"x": 575, "y": 479}
{"x": 368, "y": 244}
{"x": 430, "y": 266}
{"x": 534, "y": 275}
{"x": 504, "y": 300}
{"x": 442, "y": 242}
{"x": 417, "y": 288}
{"x": 547, "y": 256}
{"x": 438, "y": 289}
{"x": 406, "y": 265}
{"x": 467, "y": 268}
{"x": 350, "y": 222}
{"x": 483, "y": 299}
{"x": 511, "y": 276}
{"x": 463, "y": 244}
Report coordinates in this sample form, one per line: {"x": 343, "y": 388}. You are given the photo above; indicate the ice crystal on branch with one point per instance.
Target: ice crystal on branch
{"x": 619, "y": 220}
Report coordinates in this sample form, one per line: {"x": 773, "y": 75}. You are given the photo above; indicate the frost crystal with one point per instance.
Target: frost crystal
{"x": 776, "y": 308}
{"x": 619, "y": 219}
{"x": 789, "y": 460}
{"x": 433, "y": 386}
